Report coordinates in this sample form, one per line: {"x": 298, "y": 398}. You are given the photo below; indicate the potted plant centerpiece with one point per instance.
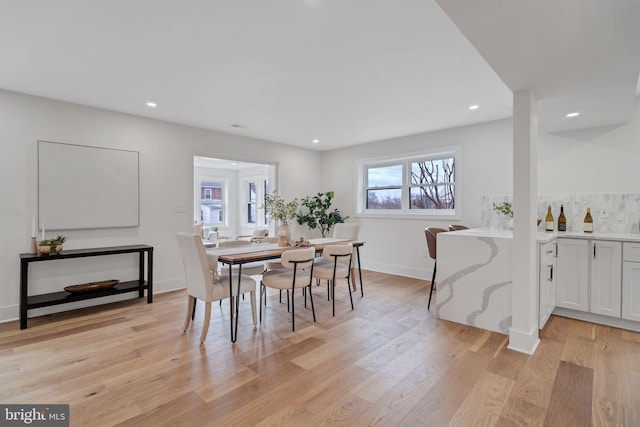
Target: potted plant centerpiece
{"x": 282, "y": 211}
{"x": 319, "y": 213}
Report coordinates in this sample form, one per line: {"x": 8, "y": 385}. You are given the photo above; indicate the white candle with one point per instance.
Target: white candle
{"x": 33, "y": 227}
{"x": 42, "y": 229}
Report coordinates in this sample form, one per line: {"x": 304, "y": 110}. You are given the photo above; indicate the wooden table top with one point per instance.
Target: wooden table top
{"x": 266, "y": 251}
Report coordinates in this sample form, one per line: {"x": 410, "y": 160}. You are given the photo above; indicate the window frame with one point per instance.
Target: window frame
{"x": 406, "y": 160}
{"x": 261, "y": 186}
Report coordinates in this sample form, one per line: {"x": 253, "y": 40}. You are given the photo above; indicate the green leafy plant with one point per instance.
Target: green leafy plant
{"x": 505, "y": 208}
{"x": 319, "y": 213}
{"x": 53, "y": 242}
{"x": 278, "y": 208}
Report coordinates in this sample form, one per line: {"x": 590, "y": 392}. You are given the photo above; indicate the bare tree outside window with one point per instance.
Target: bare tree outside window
{"x": 433, "y": 184}
{"x": 420, "y": 184}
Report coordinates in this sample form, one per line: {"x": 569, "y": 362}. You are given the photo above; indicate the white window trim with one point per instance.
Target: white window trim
{"x": 404, "y": 212}
{"x": 259, "y": 181}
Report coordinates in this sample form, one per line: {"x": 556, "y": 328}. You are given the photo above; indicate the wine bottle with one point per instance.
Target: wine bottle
{"x": 548, "y": 221}
{"x": 562, "y": 220}
{"x": 588, "y": 222}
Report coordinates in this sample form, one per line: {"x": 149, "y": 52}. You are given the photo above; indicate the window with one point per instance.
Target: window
{"x": 420, "y": 184}
{"x": 212, "y": 202}
{"x": 255, "y": 190}
{"x": 252, "y": 211}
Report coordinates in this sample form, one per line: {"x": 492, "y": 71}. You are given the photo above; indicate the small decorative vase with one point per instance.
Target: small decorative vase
{"x": 284, "y": 230}
{"x": 282, "y": 241}
{"x": 33, "y": 246}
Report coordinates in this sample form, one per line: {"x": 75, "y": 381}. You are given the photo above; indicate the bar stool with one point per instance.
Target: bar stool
{"x": 457, "y": 227}
{"x": 431, "y": 233}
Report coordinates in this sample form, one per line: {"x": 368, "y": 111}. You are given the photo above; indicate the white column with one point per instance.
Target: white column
{"x": 523, "y": 335}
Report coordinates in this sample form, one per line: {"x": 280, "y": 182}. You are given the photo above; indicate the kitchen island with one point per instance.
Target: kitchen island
{"x": 473, "y": 284}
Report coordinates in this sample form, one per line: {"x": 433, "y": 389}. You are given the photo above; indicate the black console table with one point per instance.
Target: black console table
{"x": 44, "y": 300}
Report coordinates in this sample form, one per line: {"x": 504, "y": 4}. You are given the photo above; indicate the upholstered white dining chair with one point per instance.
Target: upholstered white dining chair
{"x": 296, "y": 273}
{"x": 336, "y": 264}
{"x": 349, "y": 231}
{"x": 248, "y": 269}
{"x": 257, "y": 236}
{"x": 204, "y": 282}
{"x": 346, "y": 230}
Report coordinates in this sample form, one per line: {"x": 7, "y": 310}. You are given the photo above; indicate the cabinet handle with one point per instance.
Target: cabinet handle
{"x": 550, "y": 272}
{"x": 549, "y": 252}
{"x": 594, "y": 251}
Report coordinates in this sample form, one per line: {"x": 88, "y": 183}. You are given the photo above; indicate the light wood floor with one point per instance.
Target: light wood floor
{"x": 387, "y": 363}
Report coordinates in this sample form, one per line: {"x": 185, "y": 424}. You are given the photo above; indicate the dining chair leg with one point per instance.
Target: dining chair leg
{"x": 288, "y": 309}
{"x": 433, "y": 283}
{"x": 304, "y": 292}
{"x": 333, "y": 294}
{"x": 262, "y": 293}
{"x": 350, "y": 295}
{"x": 205, "y": 323}
{"x": 313, "y": 310}
{"x": 190, "y": 306}
{"x": 293, "y": 310}
{"x": 252, "y": 295}
{"x": 360, "y": 272}
{"x": 193, "y": 314}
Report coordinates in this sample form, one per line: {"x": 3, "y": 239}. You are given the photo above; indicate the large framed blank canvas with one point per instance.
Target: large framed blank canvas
{"x": 82, "y": 187}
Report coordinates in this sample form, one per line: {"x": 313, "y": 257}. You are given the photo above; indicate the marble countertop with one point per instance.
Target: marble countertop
{"x": 544, "y": 237}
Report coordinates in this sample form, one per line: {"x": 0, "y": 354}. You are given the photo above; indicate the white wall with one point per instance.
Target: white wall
{"x": 399, "y": 245}
{"x": 602, "y": 160}
{"x": 166, "y": 182}
{"x": 599, "y": 160}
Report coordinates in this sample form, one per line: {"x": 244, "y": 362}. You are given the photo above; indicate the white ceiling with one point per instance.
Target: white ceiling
{"x": 342, "y": 71}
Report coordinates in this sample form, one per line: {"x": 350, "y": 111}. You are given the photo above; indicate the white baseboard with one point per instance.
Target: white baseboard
{"x": 416, "y": 273}
{"x": 524, "y": 342}
{"x": 11, "y": 313}
{"x": 614, "y": 322}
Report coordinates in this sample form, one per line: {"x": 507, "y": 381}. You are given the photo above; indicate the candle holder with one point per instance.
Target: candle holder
{"x": 33, "y": 247}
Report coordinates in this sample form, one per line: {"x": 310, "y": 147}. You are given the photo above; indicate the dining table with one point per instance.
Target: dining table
{"x": 240, "y": 255}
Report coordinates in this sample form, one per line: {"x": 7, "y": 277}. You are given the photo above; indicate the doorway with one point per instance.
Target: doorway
{"x": 229, "y": 194}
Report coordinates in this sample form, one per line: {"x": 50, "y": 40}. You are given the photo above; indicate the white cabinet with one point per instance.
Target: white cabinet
{"x": 573, "y": 274}
{"x": 631, "y": 282}
{"x": 546, "y": 272}
{"x": 606, "y": 277}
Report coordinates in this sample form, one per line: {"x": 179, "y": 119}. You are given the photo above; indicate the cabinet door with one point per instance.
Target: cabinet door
{"x": 631, "y": 291}
{"x": 547, "y": 290}
{"x": 606, "y": 277}
{"x": 572, "y": 284}
{"x": 546, "y": 282}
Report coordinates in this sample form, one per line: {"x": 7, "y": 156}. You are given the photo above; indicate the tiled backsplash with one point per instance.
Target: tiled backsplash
{"x": 611, "y": 212}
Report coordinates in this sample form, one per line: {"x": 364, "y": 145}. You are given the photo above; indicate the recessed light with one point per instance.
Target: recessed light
{"x": 152, "y": 104}
{"x": 473, "y": 107}
{"x": 233, "y": 163}
{"x": 573, "y": 114}
{"x": 315, "y": 141}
